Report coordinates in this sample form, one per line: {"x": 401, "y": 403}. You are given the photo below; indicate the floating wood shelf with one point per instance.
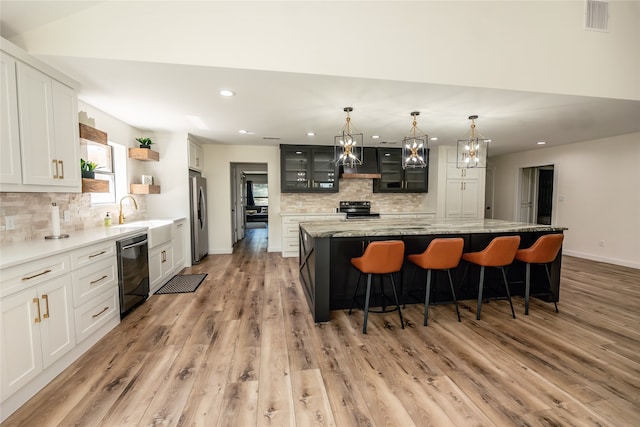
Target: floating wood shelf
{"x": 144, "y": 188}
{"x": 92, "y": 134}
{"x": 144, "y": 154}
{"x": 94, "y": 185}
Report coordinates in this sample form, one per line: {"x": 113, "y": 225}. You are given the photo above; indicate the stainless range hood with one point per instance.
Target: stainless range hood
{"x": 367, "y": 170}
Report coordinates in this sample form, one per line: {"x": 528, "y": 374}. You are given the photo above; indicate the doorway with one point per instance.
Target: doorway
{"x": 535, "y": 194}
{"x": 249, "y": 199}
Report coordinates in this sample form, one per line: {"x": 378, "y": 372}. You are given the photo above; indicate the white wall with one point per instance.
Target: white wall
{"x": 530, "y": 45}
{"x": 217, "y": 169}
{"x": 117, "y": 131}
{"x": 600, "y": 183}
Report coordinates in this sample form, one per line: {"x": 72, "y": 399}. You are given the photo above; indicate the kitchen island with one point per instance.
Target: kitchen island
{"x": 329, "y": 280}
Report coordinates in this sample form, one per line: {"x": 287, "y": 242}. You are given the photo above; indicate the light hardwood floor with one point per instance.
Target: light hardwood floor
{"x": 243, "y": 351}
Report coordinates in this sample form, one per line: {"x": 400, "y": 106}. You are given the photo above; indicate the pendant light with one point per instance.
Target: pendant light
{"x": 473, "y": 148}
{"x": 414, "y": 146}
{"x": 349, "y": 144}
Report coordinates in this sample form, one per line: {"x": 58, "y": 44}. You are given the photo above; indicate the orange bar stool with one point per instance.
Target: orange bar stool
{"x": 441, "y": 254}
{"x": 542, "y": 252}
{"x": 384, "y": 257}
{"x": 499, "y": 253}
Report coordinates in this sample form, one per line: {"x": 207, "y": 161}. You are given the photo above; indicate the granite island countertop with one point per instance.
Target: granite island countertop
{"x": 418, "y": 227}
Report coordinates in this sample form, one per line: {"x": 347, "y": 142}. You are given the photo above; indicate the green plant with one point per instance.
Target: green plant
{"x": 87, "y": 166}
{"x": 144, "y": 141}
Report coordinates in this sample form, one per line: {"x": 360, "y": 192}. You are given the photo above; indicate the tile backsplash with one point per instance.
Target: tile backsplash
{"x": 31, "y": 213}
{"x": 355, "y": 189}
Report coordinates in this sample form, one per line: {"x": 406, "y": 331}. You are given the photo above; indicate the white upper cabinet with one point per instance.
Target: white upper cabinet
{"x": 40, "y": 148}
{"x": 48, "y": 129}
{"x": 462, "y": 189}
{"x": 10, "y": 169}
{"x": 195, "y": 156}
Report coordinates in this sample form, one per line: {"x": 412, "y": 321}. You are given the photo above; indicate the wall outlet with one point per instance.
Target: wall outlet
{"x": 66, "y": 216}
{"x": 601, "y": 243}
{"x": 9, "y": 222}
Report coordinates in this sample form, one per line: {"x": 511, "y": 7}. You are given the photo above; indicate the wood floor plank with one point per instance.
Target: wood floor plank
{"x": 310, "y": 400}
{"x": 243, "y": 350}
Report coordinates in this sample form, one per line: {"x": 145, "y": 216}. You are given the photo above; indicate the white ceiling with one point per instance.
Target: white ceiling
{"x": 283, "y": 107}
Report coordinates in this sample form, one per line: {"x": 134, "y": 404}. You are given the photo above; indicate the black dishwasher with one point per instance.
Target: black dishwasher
{"x": 133, "y": 272}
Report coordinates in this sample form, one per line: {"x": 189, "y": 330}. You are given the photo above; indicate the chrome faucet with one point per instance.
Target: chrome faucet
{"x": 135, "y": 205}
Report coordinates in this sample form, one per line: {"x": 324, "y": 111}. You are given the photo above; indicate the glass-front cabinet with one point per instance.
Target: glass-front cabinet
{"x": 307, "y": 168}
{"x": 394, "y": 179}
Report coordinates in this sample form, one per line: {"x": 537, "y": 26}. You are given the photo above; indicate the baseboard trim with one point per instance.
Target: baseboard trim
{"x": 621, "y": 262}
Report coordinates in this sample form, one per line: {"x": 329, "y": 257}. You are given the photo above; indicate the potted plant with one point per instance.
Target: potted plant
{"x": 144, "y": 142}
{"x": 88, "y": 169}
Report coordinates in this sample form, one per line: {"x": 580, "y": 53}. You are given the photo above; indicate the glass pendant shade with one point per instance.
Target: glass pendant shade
{"x": 473, "y": 149}
{"x": 348, "y": 146}
{"x": 414, "y": 147}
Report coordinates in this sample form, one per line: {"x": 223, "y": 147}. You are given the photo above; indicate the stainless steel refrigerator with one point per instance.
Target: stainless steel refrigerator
{"x": 198, "y": 211}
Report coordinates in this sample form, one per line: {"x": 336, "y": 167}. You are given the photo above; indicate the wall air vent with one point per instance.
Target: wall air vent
{"x": 596, "y": 15}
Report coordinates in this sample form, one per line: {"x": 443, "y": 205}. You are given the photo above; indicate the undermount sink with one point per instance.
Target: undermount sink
{"x": 159, "y": 230}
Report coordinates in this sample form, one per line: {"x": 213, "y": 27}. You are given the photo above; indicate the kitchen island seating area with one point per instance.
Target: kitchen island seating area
{"x": 499, "y": 254}
{"x": 379, "y": 258}
{"x": 328, "y": 278}
{"x": 542, "y": 252}
{"x": 441, "y": 254}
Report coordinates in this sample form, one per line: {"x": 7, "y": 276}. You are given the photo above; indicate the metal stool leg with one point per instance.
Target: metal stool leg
{"x": 453, "y": 292}
{"x": 527, "y": 287}
{"x": 366, "y": 304}
{"x": 506, "y": 286}
{"x": 480, "y": 286}
{"x": 395, "y": 295}
{"x": 426, "y": 298}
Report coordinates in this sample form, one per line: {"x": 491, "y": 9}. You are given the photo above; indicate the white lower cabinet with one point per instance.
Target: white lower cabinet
{"x": 37, "y": 329}
{"x": 290, "y": 229}
{"x": 51, "y": 311}
{"x": 178, "y": 245}
{"x": 161, "y": 265}
{"x": 462, "y": 199}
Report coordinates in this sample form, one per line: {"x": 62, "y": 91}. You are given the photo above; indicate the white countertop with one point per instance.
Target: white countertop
{"x": 12, "y": 254}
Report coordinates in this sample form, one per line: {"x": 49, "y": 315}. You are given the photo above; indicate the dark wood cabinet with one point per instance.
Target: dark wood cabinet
{"x": 308, "y": 168}
{"x": 394, "y": 179}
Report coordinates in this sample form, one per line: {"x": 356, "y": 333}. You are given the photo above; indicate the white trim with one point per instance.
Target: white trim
{"x": 597, "y": 258}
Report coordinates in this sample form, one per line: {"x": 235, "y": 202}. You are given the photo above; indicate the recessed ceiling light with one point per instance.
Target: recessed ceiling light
{"x": 243, "y": 131}
{"x": 375, "y": 136}
{"x": 226, "y": 92}
{"x": 311, "y": 134}
{"x": 433, "y": 138}
{"x": 541, "y": 142}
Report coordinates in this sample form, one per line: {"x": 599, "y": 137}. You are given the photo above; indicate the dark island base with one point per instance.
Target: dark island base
{"x": 329, "y": 280}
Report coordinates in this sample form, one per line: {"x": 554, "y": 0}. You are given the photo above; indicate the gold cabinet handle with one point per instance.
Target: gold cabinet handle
{"x": 93, "y": 316}
{"x": 36, "y": 275}
{"x": 98, "y": 254}
{"x": 55, "y": 165}
{"x": 45, "y": 297}
{"x": 97, "y": 280}
{"x": 61, "y": 163}
{"x": 36, "y": 301}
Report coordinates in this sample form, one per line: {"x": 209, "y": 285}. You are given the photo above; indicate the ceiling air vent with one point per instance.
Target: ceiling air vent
{"x": 271, "y": 138}
{"x": 596, "y": 15}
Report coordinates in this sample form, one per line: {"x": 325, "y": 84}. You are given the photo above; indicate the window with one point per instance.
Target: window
{"x": 112, "y": 164}
{"x": 261, "y": 194}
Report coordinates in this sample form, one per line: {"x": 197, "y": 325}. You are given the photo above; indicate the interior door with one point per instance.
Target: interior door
{"x": 527, "y": 182}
